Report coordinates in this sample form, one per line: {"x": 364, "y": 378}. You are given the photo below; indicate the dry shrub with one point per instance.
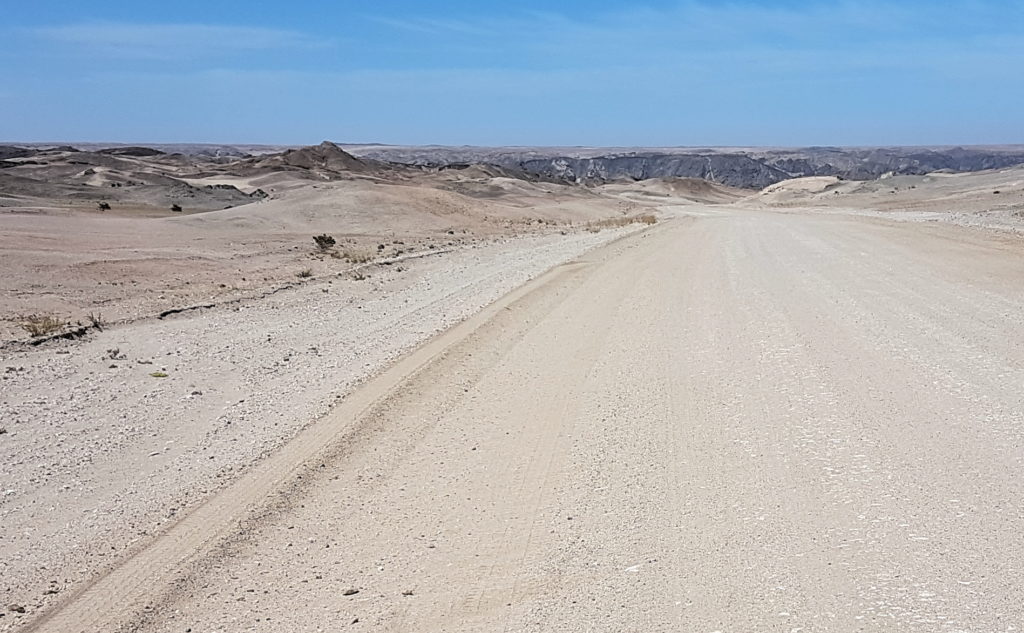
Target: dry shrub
{"x": 96, "y": 320}
{"x": 324, "y": 242}
{"x": 356, "y": 256}
{"x": 38, "y": 325}
{"x": 615, "y": 223}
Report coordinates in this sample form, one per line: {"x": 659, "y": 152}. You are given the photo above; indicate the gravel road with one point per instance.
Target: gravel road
{"x": 735, "y": 421}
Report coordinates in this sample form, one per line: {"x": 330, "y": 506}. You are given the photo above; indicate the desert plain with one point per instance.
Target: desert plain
{"x": 492, "y": 398}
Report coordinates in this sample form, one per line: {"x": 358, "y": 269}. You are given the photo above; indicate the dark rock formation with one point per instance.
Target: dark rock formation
{"x": 752, "y": 169}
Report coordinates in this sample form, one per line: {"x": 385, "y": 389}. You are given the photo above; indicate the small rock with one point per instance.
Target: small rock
{"x": 407, "y": 592}
{"x": 350, "y": 592}
{"x": 17, "y": 608}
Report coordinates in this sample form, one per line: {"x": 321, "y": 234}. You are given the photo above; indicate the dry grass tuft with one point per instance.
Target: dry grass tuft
{"x": 356, "y": 256}
{"x": 38, "y": 325}
{"x": 615, "y": 223}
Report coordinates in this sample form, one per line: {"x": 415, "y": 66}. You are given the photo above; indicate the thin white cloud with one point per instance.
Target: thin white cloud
{"x": 433, "y": 26}
{"x": 848, "y": 34}
{"x": 171, "y": 41}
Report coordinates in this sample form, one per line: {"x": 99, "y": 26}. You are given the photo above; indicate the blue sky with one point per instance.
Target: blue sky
{"x": 516, "y": 73}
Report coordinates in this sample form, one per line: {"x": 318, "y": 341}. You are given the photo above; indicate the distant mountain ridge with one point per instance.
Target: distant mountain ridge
{"x": 747, "y": 168}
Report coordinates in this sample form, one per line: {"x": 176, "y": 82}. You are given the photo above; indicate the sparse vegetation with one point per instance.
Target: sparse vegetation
{"x": 103, "y": 206}
{"x": 176, "y": 208}
{"x": 158, "y": 374}
{"x": 356, "y": 256}
{"x": 614, "y": 223}
{"x": 324, "y": 242}
{"x": 39, "y": 325}
{"x": 96, "y": 320}
{"x": 304, "y": 273}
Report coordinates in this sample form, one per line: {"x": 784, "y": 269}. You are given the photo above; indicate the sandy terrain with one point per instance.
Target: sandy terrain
{"x": 780, "y": 411}
{"x": 738, "y": 421}
{"x": 990, "y": 199}
{"x": 109, "y": 438}
{"x": 62, "y": 256}
{"x": 100, "y": 455}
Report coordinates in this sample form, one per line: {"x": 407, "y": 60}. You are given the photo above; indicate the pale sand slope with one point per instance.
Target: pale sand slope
{"x": 736, "y": 422}
{"x": 98, "y": 455}
{"x": 991, "y": 199}
{"x": 71, "y": 262}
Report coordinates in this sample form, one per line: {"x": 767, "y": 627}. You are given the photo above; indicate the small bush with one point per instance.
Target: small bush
{"x": 324, "y": 242}
{"x": 103, "y": 206}
{"x": 38, "y": 325}
{"x": 304, "y": 274}
{"x": 96, "y": 320}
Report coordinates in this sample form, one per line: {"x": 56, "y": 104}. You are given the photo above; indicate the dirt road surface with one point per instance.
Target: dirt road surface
{"x": 735, "y": 421}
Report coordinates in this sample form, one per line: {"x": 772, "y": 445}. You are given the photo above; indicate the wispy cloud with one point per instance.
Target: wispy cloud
{"x": 848, "y": 34}
{"x": 434, "y": 26}
{"x": 172, "y": 41}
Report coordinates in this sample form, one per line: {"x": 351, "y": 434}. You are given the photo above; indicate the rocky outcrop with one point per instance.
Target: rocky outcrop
{"x": 867, "y": 164}
{"x": 325, "y": 161}
{"x": 750, "y": 169}
{"x": 734, "y": 170}
{"x": 131, "y": 151}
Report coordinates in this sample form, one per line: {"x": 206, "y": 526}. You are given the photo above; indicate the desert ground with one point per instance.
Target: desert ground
{"x": 503, "y": 402}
